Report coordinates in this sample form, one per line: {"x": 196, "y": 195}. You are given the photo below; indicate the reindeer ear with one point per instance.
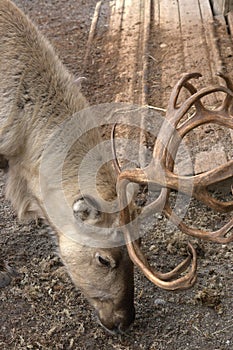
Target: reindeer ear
{"x": 87, "y": 209}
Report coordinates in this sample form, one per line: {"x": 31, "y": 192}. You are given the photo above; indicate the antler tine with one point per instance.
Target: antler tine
{"x": 226, "y": 79}
{"x": 228, "y": 99}
{"x": 113, "y": 146}
{"x": 211, "y": 177}
{"x": 191, "y": 88}
{"x": 204, "y": 196}
{"x": 173, "y": 117}
{"x": 177, "y": 88}
{"x": 203, "y": 117}
{"x": 156, "y": 206}
{"x": 163, "y": 276}
{"x": 165, "y": 280}
{"x": 217, "y": 236}
{"x": 198, "y": 104}
{"x": 183, "y": 82}
{"x": 197, "y": 96}
{"x": 161, "y": 280}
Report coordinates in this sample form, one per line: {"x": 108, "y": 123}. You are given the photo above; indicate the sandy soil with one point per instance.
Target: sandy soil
{"x": 41, "y": 309}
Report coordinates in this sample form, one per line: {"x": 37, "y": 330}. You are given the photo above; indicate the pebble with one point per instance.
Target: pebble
{"x": 159, "y": 302}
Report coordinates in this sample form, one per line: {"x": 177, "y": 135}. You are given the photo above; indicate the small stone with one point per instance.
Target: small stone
{"x": 159, "y": 302}
{"x": 163, "y": 45}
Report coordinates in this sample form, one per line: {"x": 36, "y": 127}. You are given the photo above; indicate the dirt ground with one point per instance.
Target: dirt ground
{"x": 41, "y": 309}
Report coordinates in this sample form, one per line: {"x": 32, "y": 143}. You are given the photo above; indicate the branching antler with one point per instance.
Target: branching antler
{"x": 160, "y": 172}
{"x": 168, "y": 281}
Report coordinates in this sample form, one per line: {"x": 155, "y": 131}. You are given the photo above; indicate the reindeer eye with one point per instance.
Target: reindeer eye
{"x": 102, "y": 261}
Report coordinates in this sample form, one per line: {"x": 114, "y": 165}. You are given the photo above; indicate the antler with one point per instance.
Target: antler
{"x": 160, "y": 172}
{"x": 166, "y": 280}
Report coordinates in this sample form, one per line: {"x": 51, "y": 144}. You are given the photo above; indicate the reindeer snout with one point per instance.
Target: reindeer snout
{"x": 125, "y": 322}
{"x": 119, "y": 322}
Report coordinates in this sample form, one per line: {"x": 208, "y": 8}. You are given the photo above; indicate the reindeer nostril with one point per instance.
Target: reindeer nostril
{"x": 125, "y": 322}
{"x": 117, "y": 323}
{"x": 118, "y": 328}
{"x": 112, "y": 331}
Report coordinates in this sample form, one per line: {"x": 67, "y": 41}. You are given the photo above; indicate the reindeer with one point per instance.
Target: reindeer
{"x": 38, "y": 96}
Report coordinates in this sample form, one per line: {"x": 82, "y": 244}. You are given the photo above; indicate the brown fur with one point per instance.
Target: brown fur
{"x": 37, "y": 94}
